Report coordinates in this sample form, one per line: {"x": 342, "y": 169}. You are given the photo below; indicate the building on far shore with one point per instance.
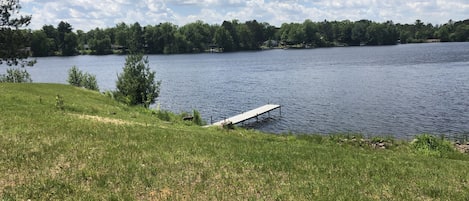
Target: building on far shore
{"x": 433, "y": 40}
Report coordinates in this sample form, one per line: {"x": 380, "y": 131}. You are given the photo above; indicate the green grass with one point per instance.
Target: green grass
{"x": 98, "y": 149}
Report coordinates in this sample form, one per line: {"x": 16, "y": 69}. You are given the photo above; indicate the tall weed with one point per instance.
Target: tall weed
{"x": 198, "y": 118}
{"x": 431, "y": 146}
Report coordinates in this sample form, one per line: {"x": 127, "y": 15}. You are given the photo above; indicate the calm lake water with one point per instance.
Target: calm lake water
{"x": 399, "y": 90}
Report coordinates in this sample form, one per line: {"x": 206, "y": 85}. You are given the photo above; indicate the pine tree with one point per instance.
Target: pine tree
{"x": 137, "y": 85}
{"x": 13, "y": 40}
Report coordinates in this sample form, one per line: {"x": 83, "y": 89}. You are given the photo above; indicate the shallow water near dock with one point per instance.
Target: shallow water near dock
{"x": 399, "y": 90}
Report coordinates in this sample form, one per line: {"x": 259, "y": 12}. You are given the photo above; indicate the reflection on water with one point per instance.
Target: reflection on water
{"x": 393, "y": 90}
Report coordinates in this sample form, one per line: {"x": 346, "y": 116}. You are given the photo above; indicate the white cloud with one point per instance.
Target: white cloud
{"x": 88, "y": 14}
{"x": 210, "y": 16}
{"x": 194, "y": 2}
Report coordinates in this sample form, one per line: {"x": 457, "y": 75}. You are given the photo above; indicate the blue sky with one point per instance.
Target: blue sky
{"x": 89, "y": 14}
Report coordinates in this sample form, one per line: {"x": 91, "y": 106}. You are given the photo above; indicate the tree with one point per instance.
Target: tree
{"x": 223, "y": 39}
{"x": 179, "y": 44}
{"x": 375, "y": 34}
{"x": 62, "y": 29}
{"x": 231, "y": 27}
{"x": 13, "y": 40}
{"x": 246, "y": 38}
{"x": 443, "y": 33}
{"x": 269, "y": 31}
{"x": 136, "y": 40}
{"x": 51, "y": 33}
{"x": 167, "y": 38}
{"x": 39, "y": 44}
{"x": 310, "y": 29}
{"x": 326, "y": 30}
{"x": 121, "y": 34}
{"x": 100, "y": 43}
{"x": 257, "y": 33}
{"x": 197, "y": 36}
{"x": 359, "y": 32}
{"x": 70, "y": 44}
{"x": 153, "y": 40}
{"x": 344, "y": 34}
{"x": 66, "y": 39}
{"x": 82, "y": 39}
{"x": 137, "y": 85}
{"x": 461, "y": 33}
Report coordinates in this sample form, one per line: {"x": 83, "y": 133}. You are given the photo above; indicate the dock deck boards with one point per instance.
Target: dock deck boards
{"x": 247, "y": 115}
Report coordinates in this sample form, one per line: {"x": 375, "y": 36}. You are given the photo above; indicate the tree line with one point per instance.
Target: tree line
{"x": 167, "y": 38}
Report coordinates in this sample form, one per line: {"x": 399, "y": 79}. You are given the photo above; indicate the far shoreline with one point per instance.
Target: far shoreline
{"x": 262, "y": 48}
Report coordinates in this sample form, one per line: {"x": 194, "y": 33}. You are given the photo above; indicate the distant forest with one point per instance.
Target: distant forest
{"x": 167, "y": 38}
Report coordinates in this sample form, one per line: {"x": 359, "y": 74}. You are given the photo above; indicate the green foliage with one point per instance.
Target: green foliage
{"x": 55, "y": 41}
{"x": 135, "y": 41}
{"x": 40, "y": 44}
{"x": 431, "y": 146}
{"x": 318, "y": 139}
{"x": 99, "y": 41}
{"x": 109, "y": 94}
{"x": 15, "y": 75}
{"x": 75, "y": 76}
{"x": 89, "y": 82}
{"x": 197, "y": 118}
{"x": 59, "y": 102}
{"x": 224, "y": 39}
{"x": 168, "y": 116}
{"x": 164, "y": 115}
{"x": 66, "y": 39}
{"x": 136, "y": 85}
{"x": 79, "y": 79}
{"x": 13, "y": 40}
{"x": 197, "y": 35}
{"x": 167, "y": 38}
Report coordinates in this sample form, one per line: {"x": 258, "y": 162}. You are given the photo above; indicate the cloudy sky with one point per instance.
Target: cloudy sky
{"x": 89, "y": 14}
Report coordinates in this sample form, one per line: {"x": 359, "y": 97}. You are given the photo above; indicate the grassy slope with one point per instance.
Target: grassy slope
{"x": 46, "y": 153}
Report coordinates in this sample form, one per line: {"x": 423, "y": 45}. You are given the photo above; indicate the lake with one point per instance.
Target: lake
{"x": 399, "y": 90}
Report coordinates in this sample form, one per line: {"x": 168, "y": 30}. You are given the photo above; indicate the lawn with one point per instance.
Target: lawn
{"x": 59, "y": 142}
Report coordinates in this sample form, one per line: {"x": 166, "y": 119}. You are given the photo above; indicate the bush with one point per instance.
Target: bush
{"x": 137, "y": 85}
{"x": 79, "y": 79}
{"x": 89, "y": 82}
{"x": 16, "y": 76}
{"x": 75, "y": 76}
{"x": 431, "y": 146}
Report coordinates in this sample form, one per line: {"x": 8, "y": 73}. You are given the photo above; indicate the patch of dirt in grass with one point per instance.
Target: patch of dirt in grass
{"x": 106, "y": 120}
{"x": 162, "y": 194}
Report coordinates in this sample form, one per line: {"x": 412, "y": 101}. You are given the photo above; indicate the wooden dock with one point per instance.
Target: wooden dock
{"x": 255, "y": 113}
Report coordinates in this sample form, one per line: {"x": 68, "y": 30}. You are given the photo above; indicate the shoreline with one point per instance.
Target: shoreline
{"x": 261, "y": 48}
